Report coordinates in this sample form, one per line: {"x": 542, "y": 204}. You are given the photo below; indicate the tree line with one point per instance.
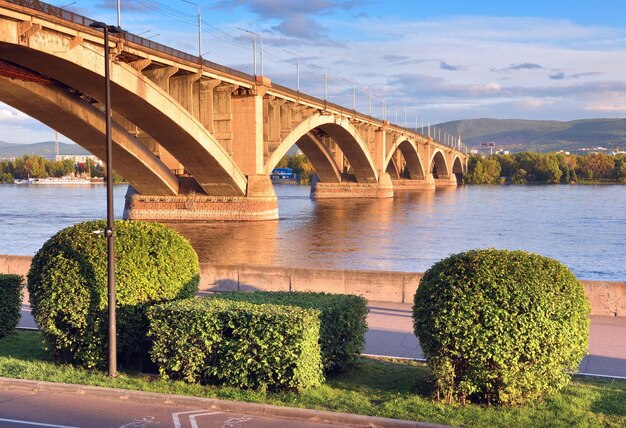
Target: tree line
{"x": 38, "y": 167}
{"x": 517, "y": 168}
{"x": 530, "y": 167}
{"x": 300, "y": 165}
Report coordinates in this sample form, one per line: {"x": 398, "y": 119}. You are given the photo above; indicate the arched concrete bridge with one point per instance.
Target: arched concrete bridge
{"x": 196, "y": 140}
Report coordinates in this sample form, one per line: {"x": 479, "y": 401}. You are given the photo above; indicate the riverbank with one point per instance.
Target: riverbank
{"x": 607, "y": 298}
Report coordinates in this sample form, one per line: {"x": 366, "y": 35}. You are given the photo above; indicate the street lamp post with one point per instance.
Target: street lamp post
{"x": 325, "y": 85}
{"x": 199, "y": 27}
{"x": 297, "y": 68}
{"x": 254, "y": 36}
{"x": 108, "y": 232}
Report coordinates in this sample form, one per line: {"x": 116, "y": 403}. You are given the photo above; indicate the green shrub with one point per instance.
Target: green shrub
{"x": 501, "y": 327}
{"x": 237, "y": 343}
{"x": 342, "y": 317}
{"x": 67, "y": 283}
{"x": 10, "y": 302}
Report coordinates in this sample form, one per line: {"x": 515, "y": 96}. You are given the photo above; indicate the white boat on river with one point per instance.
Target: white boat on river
{"x": 58, "y": 180}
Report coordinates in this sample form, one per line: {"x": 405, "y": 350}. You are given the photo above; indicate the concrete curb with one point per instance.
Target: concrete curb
{"x": 266, "y": 410}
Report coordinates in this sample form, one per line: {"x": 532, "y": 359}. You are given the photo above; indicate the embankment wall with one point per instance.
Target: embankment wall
{"x": 607, "y": 298}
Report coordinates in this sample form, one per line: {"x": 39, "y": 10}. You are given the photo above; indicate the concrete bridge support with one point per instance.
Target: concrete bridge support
{"x": 260, "y": 203}
{"x": 353, "y": 190}
{"x": 405, "y": 185}
{"x": 450, "y": 181}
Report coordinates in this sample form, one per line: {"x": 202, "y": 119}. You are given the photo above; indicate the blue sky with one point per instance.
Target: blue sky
{"x": 436, "y": 60}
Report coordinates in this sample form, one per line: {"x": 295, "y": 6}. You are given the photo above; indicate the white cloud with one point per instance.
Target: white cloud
{"x": 16, "y": 127}
{"x": 10, "y": 115}
{"x": 607, "y": 108}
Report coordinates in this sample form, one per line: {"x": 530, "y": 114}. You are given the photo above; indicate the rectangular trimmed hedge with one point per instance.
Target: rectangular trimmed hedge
{"x": 10, "y": 302}
{"x": 240, "y": 344}
{"x": 342, "y": 317}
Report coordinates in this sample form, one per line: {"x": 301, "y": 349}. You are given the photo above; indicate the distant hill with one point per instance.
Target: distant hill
{"x": 540, "y": 135}
{"x": 45, "y": 148}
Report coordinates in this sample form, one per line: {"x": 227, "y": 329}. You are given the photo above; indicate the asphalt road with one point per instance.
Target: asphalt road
{"x": 19, "y": 409}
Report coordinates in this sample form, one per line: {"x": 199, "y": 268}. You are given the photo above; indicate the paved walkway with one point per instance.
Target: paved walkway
{"x": 391, "y": 334}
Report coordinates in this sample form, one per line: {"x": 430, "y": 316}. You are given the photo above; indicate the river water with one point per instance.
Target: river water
{"x": 582, "y": 226}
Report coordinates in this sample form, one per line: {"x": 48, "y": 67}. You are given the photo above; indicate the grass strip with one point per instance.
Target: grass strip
{"x": 377, "y": 387}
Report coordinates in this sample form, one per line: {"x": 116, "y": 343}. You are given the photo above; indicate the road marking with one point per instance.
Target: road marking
{"x": 141, "y": 422}
{"x": 38, "y": 424}
{"x": 192, "y": 418}
{"x": 236, "y": 421}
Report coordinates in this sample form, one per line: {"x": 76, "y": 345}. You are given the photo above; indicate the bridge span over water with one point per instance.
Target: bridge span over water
{"x": 197, "y": 140}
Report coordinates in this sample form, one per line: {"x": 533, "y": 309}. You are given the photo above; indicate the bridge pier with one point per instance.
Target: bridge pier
{"x": 353, "y": 190}
{"x": 450, "y": 181}
{"x": 404, "y": 185}
{"x": 260, "y": 203}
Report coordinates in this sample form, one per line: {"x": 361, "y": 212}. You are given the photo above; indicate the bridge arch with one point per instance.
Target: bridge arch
{"x": 393, "y": 169}
{"x": 457, "y": 166}
{"x": 409, "y": 150}
{"x": 306, "y": 136}
{"x": 438, "y": 165}
{"x": 85, "y": 124}
{"x": 136, "y": 98}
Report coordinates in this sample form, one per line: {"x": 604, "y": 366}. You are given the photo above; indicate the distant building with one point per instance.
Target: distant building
{"x": 79, "y": 158}
{"x": 284, "y": 174}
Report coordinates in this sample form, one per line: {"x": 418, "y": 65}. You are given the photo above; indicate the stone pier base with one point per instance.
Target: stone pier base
{"x": 446, "y": 182}
{"x": 259, "y": 204}
{"x": 410, "y": 185}
{"x": 350, "y": 190}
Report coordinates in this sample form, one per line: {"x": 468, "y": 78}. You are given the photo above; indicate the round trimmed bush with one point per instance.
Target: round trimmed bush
{"x": 500, "y": 327}
{"x": 67, "y": 283}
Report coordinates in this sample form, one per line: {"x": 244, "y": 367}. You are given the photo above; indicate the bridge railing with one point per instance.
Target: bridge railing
{"x": 150, "y": 44}
{"x": 133, "y": 38}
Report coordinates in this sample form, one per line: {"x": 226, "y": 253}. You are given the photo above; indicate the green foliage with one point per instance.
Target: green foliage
{"x": 342, "y": 317}
{"x": 241, "y": 344}
{"x": 300, "y": 165}
{"x": 501, "y": 327}
{"x": 619, "y": 170}
{"x": 89, "y": 167}
{"x": 37, "y": 167}
{"x": 597, "y": 165}
{"x": 483, "y": 170}
{"x": 10, "y": 302}
{"x": 6, "y": 177}
{"x": 67, "y": 283}
{"x": 552, "y": 168}
{"x": 60, "y": 168}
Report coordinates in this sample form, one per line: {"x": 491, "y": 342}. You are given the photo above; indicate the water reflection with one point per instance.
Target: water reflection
{"x": 256, "y": 243}
{"x": 583, "y": 226}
